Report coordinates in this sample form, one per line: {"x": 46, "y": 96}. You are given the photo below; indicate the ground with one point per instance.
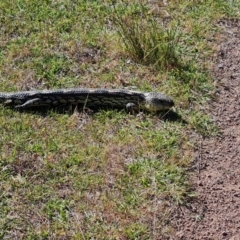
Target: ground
{"x": 215, "y": 213}
{"x": 111, "y": 174}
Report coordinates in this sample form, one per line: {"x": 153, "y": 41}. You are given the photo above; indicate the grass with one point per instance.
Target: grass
{"x": 107, "y": 175}
{"x": 145, "y": 40}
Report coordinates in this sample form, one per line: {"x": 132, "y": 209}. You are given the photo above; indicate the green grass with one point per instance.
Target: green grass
{"x": 145, "y": 40}
{"x": 107, "y": 175}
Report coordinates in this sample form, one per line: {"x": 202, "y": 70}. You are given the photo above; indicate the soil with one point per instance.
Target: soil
{"x": 215, "y": 214}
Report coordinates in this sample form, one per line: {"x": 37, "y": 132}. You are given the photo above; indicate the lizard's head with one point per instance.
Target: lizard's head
{"x": 155, "y": 101}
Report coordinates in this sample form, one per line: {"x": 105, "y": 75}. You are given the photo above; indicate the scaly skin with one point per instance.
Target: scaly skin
{"x": 151, "y": 101}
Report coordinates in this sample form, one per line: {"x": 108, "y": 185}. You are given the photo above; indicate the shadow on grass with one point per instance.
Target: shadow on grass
{"x": 169, "y": 115}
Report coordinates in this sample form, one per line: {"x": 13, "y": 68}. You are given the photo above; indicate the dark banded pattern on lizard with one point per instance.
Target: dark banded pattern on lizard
{"x": 150, "y": 101}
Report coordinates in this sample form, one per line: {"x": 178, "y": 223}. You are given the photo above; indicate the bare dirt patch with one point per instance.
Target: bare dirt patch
{"x": 216, "y": 177}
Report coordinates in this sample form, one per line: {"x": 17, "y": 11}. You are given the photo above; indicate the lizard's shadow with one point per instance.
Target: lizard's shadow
{"x": 169, "y": 115}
